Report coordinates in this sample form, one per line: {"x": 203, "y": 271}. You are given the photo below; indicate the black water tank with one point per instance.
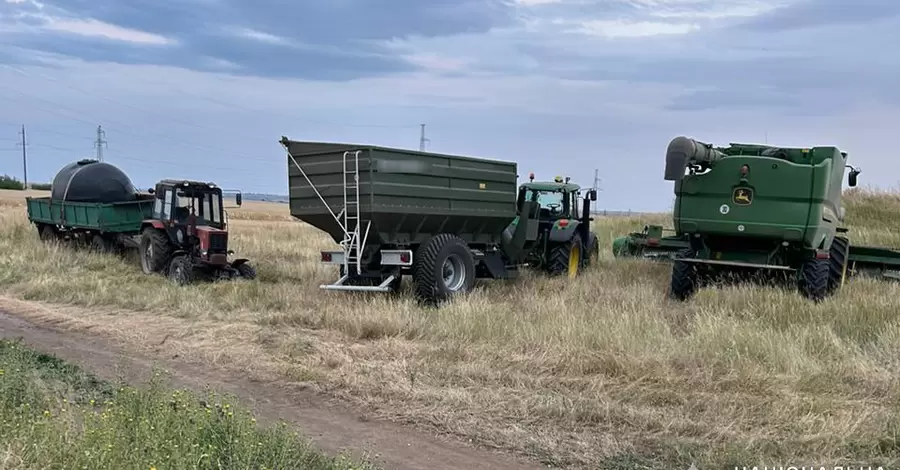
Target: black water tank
{"x": 92, "y": 181}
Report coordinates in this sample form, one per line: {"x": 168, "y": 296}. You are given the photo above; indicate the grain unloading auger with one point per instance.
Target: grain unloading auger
{"x": 443, "y": 219}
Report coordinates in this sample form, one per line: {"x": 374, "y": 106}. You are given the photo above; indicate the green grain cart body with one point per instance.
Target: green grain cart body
{"x": 112, "y": 218}
{"x": 408, "y": 196}
{"x": 791, "y": 196}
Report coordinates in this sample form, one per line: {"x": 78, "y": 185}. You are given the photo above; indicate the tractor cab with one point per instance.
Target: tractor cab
{"x": 557, "y": 200}
{"x": 182, "y": 203}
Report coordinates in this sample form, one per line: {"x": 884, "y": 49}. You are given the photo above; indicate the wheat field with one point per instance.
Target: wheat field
{"x": 602, "y": 372}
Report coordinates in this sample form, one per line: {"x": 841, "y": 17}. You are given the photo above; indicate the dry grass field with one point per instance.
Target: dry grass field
{"x": 603, "y": 372}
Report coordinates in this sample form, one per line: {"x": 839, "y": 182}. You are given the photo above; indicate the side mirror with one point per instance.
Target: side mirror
{"x": 593, "y": 194}
{"x": 853, "y": 176}
{"x": 238, "y": 199}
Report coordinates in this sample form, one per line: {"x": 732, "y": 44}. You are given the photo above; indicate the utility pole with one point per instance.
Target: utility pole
{"x": 100, "y": 142}
{"x": 422, "y": 139}
{"x": 597, "y": 180}
{"x": 24, "y": 157}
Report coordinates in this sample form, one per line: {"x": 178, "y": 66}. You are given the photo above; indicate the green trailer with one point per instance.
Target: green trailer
{"x": 102, "y": 226}
{"x": 443, "y": 219}
{"x": 758, "y": 208}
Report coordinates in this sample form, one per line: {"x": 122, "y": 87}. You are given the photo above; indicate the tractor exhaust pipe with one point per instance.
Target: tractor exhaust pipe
{"x": 682, "y": 151}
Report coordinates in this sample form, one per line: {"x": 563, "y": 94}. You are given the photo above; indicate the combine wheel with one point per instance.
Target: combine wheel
{"x": 813, "y": 279}
{"x": 837, "y": 266}
{"x": 685, "y": 277}
{"x": 443, "y": 267}
{"x": 155, "y": 250}
{"x": 180, "y": 271}
{"x": 566, "y": 257}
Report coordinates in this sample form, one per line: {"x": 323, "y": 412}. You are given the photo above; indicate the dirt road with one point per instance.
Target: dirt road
{"x": 332, "y": 428}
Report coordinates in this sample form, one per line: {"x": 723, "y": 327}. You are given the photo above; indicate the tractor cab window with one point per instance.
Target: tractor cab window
{"x": 553, "y": 203}
{"x": 206, "y": 206}
{"x": 162, "y": 208}
{"x": 576, "y": 207}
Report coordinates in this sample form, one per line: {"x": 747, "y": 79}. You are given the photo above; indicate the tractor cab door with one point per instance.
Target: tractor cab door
{"x": 165, "y": 198}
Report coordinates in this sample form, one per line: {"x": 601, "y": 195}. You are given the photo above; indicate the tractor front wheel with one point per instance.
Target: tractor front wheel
{"x": 566, "y": 258}
{"x": 443, "y": 267}
{"x": 246, "y": 271}
{"x": 685, "y": 277}
{"x": 180, "y": 271}
{"x": 155, "y": 250}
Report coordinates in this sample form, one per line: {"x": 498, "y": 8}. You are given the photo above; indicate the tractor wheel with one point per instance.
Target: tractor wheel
{"x": 813, "y": 279}
{"x": 180, "y": 271}
{"x": 837, "y": 264}
{"x": 593, "y": 253}
{"x": 685, "y": 278}
{"x": 443, "y": 267}
{"x": 246, "y": 271}
{"x": 100, "y": 244}
{"x": 566, "y": 257}
{"x": 48, "y": 234}
{"x": 155, "y": 250}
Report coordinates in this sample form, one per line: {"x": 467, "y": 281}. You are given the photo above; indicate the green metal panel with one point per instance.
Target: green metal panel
{"x": 408, "y": 196}
{"x": 120, "y": 217}
{"x": 795, "y": 196}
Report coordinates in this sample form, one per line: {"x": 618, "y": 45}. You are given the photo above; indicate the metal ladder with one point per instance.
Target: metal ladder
{"x": 352, "y": 244}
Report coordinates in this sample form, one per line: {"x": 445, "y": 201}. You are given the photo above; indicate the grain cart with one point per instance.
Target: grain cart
{"x": 444, "y": 219}
{"x": 759, "y": 207}
{"x": 187, "y": 236}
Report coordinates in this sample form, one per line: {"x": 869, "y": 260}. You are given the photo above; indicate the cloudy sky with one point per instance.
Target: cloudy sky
{"x": 205, "y": 88}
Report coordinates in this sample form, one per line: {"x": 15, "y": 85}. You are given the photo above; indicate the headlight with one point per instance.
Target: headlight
{"x": 179, "y": 236}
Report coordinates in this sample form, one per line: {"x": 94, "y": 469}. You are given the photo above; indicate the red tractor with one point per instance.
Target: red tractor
{"x": 187, "y": 237}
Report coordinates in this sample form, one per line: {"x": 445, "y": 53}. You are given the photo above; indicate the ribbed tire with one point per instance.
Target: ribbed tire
{"x": 246, "y": 271}
{"x": 684, "y": 282}
{"x": 560, "y": 254}
{"x": 593, "y": 253}
{"x": 428, "y": 268}
{"x": 837, "y": 265}
{"x": 160, "y": 247}
{"x": 813, "y": 279}
{"x": 180, "y": 271}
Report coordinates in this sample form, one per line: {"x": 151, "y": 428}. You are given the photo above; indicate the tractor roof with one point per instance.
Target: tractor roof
{"x": 174, "y": 182}
{"x": 551, "y": 186}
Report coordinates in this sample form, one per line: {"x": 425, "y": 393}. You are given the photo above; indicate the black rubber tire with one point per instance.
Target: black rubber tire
{"x": 246, "y": 271}
{"x": 428, "y": 275}
{"x": 560, "y": 254}
{"x": 48, "y": 233}
{"x": 812, "y": 280}
{"x": 837, "y": 264}
{"x": 180, "y": 271}
{"x": 100, "y": 244}
{"x": 593, "y": 252}
{"x": 685, "y": 277}
{"x": 161, "y": 249}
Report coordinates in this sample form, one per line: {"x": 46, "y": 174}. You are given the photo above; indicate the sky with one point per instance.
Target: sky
{"x": 204, "y": 89}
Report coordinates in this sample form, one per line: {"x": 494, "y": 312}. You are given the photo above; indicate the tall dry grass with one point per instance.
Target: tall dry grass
{"x": 603, "y": 372}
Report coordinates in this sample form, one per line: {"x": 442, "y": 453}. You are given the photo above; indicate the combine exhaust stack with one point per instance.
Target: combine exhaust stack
{"x": 683, "y": 151}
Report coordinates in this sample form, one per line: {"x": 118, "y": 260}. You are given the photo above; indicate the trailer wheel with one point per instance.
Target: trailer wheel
{"x": 567, "y": 257}
{"x": 443, "y": 267}
{"x": 837, "y": 264}
{"x": 48, "y": 233}
{"x": 685, "y": 277}
{"x": 180, "y": 271}
{"x": 813, "y": 279}
{"x": 155, "y": 250}
{"x": 100, "y": 244}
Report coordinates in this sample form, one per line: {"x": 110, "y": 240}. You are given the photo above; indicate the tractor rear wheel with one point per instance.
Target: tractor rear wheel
{"x": 180, "y": 271}
{"x": 837, "y": 264}
{"x": 685, "y": 277}
{"x": 155, "y": 250}
{"x": 593, "y": 253}
{"x": 813, "y": 279}
{"x": 566, "y": 258}
{"x": 443, "y": 267}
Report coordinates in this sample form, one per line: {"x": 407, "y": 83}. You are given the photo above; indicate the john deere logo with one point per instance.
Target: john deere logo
{"x": 742, "y": 196}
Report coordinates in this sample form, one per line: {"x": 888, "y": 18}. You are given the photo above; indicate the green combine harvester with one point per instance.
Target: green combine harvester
{"x": 758, "y": 208}
{"x": 444, "y": 220}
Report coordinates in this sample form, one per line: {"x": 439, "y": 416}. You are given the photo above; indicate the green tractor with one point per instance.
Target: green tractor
{"x": 758, "y": 208}
{"x": 564, "y": 242}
